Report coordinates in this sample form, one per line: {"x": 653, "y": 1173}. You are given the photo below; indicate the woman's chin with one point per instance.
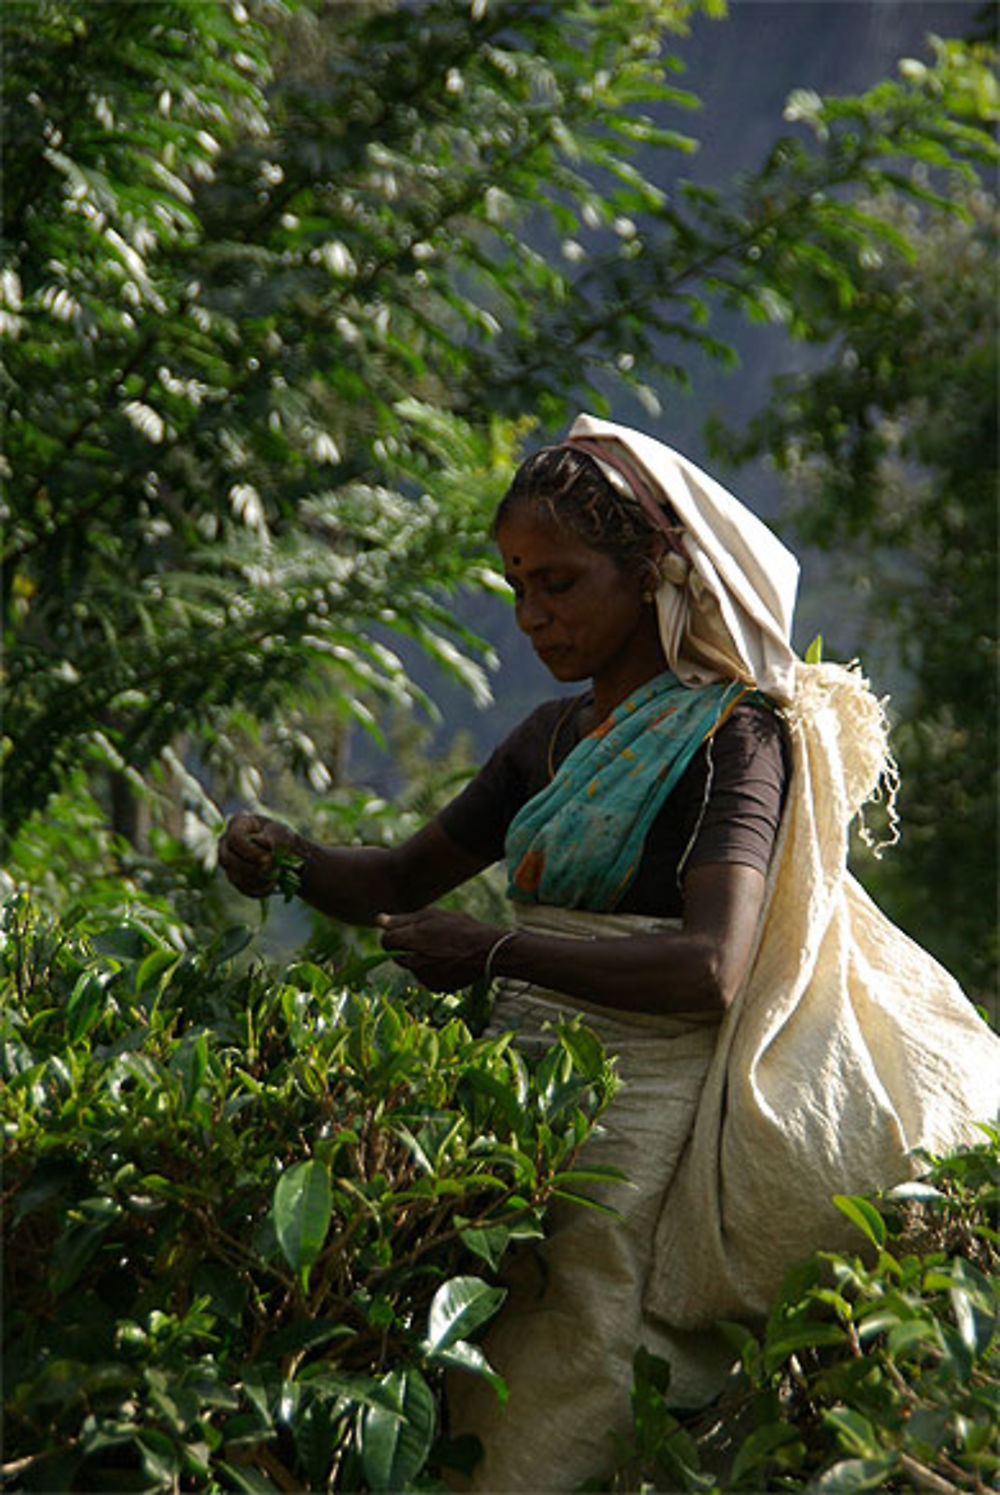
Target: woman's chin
{"x": 562, "y": 666}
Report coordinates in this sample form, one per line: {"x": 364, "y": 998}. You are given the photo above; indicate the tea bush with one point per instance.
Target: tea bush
{"x": 875, "y": 1371}
{"x": 252, "y": 1217}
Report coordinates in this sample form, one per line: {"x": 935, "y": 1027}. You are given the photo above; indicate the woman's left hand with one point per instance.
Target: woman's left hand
{"x": 444, "y": 951}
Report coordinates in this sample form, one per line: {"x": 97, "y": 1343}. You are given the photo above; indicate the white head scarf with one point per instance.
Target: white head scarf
{"x": 727, "y": 593}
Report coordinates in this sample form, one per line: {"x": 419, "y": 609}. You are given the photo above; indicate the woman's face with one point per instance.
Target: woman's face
{"x": 582, "y": 610}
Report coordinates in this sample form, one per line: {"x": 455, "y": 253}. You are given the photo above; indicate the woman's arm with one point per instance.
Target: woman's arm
{"x": 350, "y": 883}
{"x": 696, "y": 968}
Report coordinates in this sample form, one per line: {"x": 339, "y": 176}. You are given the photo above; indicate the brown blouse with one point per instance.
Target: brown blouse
{"x": 725, "y": 808}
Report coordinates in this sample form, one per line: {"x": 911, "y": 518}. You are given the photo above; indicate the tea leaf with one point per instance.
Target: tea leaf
{"x": 303, "y": 1204}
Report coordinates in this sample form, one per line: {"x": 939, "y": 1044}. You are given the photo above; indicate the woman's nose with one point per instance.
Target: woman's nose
{"x": 531, "y": 614}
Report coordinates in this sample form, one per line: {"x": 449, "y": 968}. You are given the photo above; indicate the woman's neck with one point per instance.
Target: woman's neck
{"x": 624, "y": 676}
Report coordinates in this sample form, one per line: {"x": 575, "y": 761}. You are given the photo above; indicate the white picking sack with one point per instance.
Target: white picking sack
{"x": 847, "y": 1047}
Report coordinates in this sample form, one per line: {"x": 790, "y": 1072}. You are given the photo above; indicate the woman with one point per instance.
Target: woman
{"x": 640, "y": 822}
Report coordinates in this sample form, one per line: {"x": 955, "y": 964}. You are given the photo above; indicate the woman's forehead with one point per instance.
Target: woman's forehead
{"x": 526, "y": 539}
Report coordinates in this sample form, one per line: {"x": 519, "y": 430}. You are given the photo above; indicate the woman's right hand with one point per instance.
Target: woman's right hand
{"x": 249, "y": 851}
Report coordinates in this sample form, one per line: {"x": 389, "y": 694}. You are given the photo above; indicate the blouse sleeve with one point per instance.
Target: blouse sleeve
{"x": 745, "y": 777}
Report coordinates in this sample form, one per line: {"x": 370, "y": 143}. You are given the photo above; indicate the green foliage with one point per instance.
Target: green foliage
{"x": 879, "y": 1371}
{"x": 251, "y": 1217}
{"x": 279, "y": 283}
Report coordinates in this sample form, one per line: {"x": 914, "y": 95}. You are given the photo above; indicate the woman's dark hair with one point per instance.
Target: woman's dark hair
{"x": 568, "y": 488}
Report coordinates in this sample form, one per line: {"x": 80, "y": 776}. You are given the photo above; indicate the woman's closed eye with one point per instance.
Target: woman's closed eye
{"x": 551, "y": 588}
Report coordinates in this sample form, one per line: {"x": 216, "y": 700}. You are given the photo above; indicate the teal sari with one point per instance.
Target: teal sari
{"x": 577, "y": 844}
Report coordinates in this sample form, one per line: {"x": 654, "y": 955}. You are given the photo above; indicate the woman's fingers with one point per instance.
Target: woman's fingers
{"x": 413, "y": 929}
{"x": 424, "y": 929}
{"x": 444, "y": 950}
{"x": 397, "y": 938}
{"x": 246, "y": 853}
